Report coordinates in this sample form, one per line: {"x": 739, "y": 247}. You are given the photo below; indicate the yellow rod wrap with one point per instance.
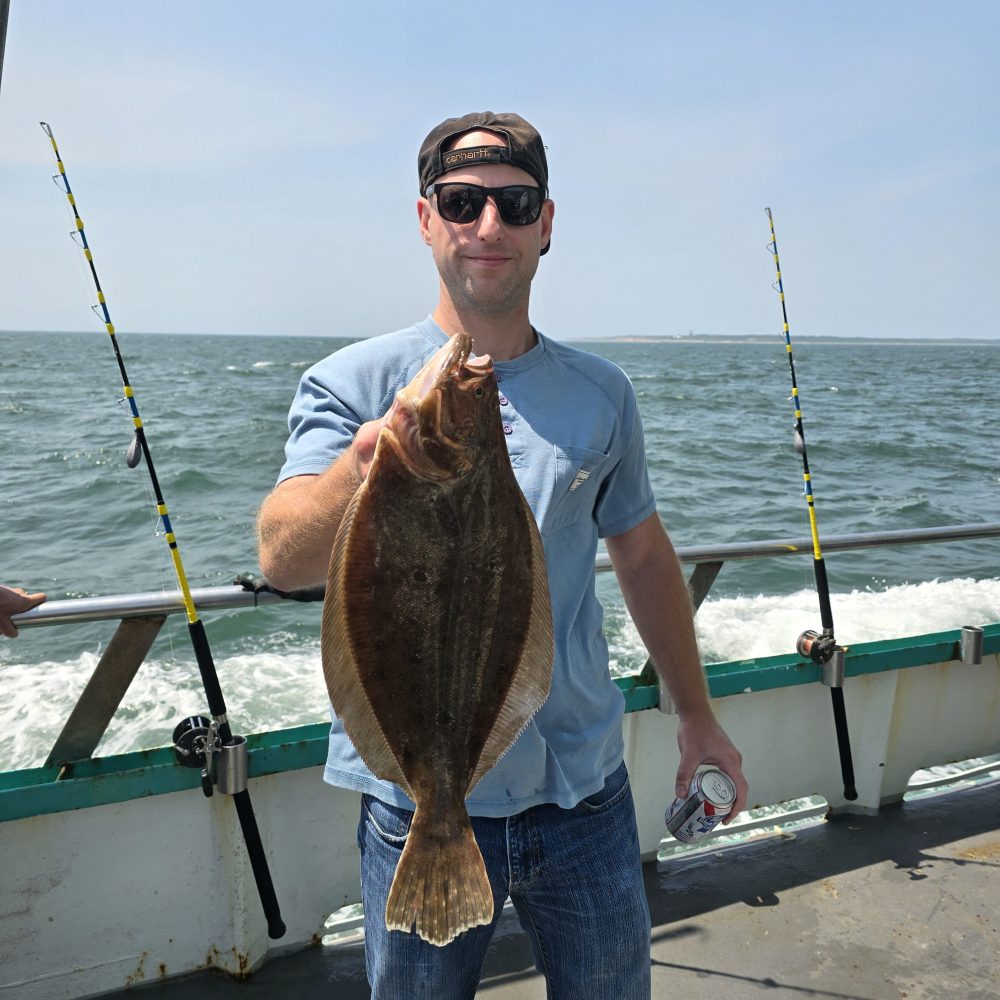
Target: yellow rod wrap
{"x": 817, "y": 552}
{"x": 192, "y": 613}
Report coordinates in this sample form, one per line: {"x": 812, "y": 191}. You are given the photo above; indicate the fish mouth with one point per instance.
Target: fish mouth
{"x": 417, "y": 411}
{"x": 445, "y": 366}
{"x": 457, "y": 367}
{"x": 452, "y": 364}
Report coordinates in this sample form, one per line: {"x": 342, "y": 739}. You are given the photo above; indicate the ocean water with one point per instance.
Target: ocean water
{"x": 900, "y": 436}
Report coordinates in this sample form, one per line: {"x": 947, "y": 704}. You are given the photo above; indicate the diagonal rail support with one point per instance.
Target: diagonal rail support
{"x": 105, "y": 690}
{"x": 700, "y": 581}
{"x": 699, "y": 584}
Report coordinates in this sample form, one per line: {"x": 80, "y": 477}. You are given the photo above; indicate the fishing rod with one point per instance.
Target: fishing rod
{"x": 821, "y": 648}
{"x": 198, "y": 742}
{"x": 4, "y": 14}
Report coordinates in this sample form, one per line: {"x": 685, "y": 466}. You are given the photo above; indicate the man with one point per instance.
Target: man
{"x": 554, "y": 818}
{"x": 14, "y": 600}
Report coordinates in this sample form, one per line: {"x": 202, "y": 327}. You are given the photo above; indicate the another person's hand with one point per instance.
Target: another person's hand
{"x": 14, "y": 600}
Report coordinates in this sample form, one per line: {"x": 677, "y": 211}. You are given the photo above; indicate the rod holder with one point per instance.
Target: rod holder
{"x": 231, "y": 766}
{"x": 833, "y": 669}
{"x": 666, "y": 705}
{"x": 970, "y": 644}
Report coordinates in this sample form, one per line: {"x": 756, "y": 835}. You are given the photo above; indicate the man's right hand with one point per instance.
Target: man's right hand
{"x": 298, "y": 522}
{"x": 364, "y": 446}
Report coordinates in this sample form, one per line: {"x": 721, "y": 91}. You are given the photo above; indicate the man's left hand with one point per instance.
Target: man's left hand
{"x": 703, "y": 741}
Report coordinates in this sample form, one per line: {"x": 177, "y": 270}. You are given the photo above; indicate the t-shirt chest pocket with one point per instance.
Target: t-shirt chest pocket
{"x": 578, "y": 475}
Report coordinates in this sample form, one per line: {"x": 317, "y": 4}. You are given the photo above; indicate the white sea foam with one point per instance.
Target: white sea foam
{"x": 740, "y": 627}
{"x": 262, "y": 691}
{"x": 277, "y": 689}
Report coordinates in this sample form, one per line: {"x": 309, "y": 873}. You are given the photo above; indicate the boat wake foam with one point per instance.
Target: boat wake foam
{"x": 283, "y": 686}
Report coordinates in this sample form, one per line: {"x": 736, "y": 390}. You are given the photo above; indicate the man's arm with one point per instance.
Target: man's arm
{"x": 298, "y": 521}
{"x": 657, "y": 598}
{"x": 14, "y": 600}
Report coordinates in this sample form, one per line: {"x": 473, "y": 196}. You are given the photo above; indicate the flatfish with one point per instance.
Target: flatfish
{"x": 437, "y": 629}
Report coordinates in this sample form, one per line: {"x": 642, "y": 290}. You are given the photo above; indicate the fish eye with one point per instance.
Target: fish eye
{"x": 479, "y": 392}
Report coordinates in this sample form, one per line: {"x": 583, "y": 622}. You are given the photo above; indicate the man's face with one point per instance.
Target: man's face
{"x": 486, "y": 265}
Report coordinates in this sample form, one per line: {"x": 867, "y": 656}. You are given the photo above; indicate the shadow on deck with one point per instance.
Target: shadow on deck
{"x": 900, "y": 906}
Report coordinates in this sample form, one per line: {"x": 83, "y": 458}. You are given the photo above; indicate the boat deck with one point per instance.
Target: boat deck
{"x": 905, "y": 904}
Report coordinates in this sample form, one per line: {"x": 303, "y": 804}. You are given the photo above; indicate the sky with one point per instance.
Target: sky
{"x": 250, "y": 167}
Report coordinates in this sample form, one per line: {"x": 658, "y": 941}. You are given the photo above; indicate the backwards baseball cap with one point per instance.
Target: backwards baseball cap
{"x": 524, "y": 148}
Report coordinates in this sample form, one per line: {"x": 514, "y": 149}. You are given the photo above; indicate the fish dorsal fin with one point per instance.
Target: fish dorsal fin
{"x": 530, "y": 686}
{"x": 340, "y": 668}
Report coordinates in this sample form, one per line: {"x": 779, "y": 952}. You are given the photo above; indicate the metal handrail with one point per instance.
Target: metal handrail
{"x": 125, "y": 606}
{"x": 120, "y": 607}
{"x": 831, "y": 543}
{"x": 140, "y": 617}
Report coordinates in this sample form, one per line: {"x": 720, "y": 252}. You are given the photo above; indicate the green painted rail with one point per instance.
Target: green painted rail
{"x": 106, "y": 780}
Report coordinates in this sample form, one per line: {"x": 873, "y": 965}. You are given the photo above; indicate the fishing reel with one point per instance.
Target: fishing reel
{"x": 823, "y": 650}
{"x": 818, "y": 647}
{"x": 197, "y": 743}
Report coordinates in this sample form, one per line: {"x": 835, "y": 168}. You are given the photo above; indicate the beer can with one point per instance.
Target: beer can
{"x": 711, "y": 795}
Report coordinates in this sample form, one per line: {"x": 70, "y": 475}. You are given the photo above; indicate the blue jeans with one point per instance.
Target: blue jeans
{"x": 574, "y": 878}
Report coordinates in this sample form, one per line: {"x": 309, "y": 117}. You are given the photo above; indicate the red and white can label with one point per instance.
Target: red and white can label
{"x": 710, "y": 797}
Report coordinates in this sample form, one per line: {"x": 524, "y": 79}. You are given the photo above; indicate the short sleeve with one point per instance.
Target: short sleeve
{"x": 626, "y": 496}
{"x": 348, "y": 388}
{"x": 321, "y": 425}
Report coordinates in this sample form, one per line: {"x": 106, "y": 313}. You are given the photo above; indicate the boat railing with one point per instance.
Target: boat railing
{"x": 141, "y": 615}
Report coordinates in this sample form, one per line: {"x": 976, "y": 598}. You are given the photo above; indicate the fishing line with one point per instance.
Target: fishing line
{"x": 198, "y": 741}
{"x": 821, "y": 648}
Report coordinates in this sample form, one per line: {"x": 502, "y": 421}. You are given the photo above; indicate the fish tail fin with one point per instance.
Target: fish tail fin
{"x": 440, "y": 887}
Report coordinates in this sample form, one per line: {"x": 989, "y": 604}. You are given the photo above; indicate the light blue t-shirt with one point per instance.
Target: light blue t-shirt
{"x": 576, "y": 447}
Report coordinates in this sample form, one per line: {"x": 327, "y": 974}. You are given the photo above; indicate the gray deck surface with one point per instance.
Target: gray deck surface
{"x": 902, "y": 906}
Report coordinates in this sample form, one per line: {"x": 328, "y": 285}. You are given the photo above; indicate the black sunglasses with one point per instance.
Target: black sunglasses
{"x": 518, "y": 204}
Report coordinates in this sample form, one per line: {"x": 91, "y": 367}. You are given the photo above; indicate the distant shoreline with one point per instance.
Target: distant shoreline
{"x": 771, "y": 339}
{"x": 734, "y": 338}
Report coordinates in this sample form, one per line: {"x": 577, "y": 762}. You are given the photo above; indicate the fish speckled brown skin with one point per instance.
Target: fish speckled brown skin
{"x": 437, "y": 629}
